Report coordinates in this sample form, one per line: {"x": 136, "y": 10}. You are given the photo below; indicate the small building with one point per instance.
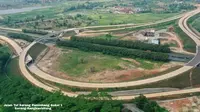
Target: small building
{"x": 149, "y": 33}
{"x": 124, "y": 10}
{"x": 154, "y": 41}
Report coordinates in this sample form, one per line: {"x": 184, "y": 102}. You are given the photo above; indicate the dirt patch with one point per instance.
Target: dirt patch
{"x": 83, "y": 34}
{"x": 50, "y": 64}
{"x": 22, "y": 43}
{"x": 189, "y": 104}
{"x": 132, "y": 60}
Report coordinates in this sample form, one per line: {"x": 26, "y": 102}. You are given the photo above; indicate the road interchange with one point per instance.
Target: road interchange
{"x": 194, "y": 62}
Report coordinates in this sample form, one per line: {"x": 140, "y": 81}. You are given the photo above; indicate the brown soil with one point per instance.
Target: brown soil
{"x": 82, "y": 34}
{"x": 50, "y": 63}
{"x": 189, "y": 104}
{"x": 132, "y": 60}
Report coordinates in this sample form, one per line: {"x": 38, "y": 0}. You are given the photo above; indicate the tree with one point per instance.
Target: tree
{"x": 108, "y": 36}
{"x": 147, "y": 106}
{"x": 100, "y": 17}
{"x": 8, "y": 19}
{"x": 140, "y": 101}
{"x": 92, "y": 69}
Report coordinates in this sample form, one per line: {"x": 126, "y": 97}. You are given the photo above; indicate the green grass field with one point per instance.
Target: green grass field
{"x": 196, "y": 24}
{"x": 13, "y": 68}
{"x": 109, "y": 18}
{"x": 1, "y": 108}
{"x": 107, "y": 37}
{"x": 188, "y": 43}
{"x": 77, "y": 63}
{"x": 149, "y": 64}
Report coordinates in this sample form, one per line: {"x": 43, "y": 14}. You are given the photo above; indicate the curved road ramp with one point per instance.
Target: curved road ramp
{"x": 193, "y": 63}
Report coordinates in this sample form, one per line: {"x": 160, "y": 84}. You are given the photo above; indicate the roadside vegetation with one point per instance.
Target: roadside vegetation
{"x": 4, "y": 56}
{"x": 188, "y": 43}
{"x": 148, "y": 106}
{"x": 101, "y": 37}
{"x": 194, "y": 22}
{"x": 115, "y": 51}
{"x": 34, "y": 31}
{"x": 185, "y": 80}
{"x": 21, "y": 36}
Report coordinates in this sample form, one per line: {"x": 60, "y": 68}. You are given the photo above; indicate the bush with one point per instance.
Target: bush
{"x": 21, "y": 36}
{"x": 34, "y": 31}
{"x": 148, "y": 106}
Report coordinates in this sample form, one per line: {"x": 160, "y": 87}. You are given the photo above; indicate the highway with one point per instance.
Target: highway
{"x": 34, "y": 69}
{"x": 34, "y": 81}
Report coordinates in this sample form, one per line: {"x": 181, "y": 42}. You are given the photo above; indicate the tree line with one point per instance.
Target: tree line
{"x": 124, "y": 43}
{"x": 19, "y": 91}
{"x": 87, "y": 5}
{"x": 147, "y": 105}
{"x": 21, "y": 36}
{"x": 34, "y": 31}
{"x": 4, "y": 56}
{"x": 177, "y": 7}
{"x": 115, "y": 51}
